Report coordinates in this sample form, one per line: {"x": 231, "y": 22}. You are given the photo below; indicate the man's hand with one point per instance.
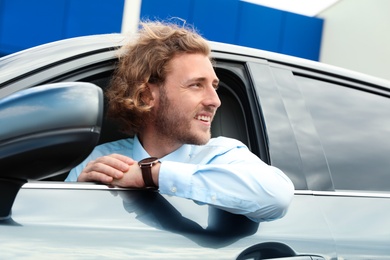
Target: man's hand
{"x": 132, "y": 178}
{"x": 107, "y": 168}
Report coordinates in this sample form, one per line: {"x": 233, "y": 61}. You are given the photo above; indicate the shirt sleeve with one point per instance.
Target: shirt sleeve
{"x": 234, "y": 180}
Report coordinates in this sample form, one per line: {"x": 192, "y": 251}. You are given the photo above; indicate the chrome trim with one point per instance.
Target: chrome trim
{"x": 69, "y": 185}
{"x": 366, "y": 194}
{"x": 98, "y": 186}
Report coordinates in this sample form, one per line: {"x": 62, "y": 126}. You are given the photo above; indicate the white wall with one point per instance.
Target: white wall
{"x": 356, "y": 36}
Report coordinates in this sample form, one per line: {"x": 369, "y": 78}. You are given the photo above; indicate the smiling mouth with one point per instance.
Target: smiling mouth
{"x": 206, "y": 119}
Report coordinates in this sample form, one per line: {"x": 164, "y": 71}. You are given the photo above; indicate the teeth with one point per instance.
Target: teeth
{"x": 204, "y": 118}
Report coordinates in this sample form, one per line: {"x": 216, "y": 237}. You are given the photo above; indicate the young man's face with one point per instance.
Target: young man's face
{"x": 188, "y": 101}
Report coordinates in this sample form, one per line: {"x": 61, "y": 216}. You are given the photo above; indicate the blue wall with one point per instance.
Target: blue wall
{"x": 26, "y": 23}
{"x": 244, "y": 23}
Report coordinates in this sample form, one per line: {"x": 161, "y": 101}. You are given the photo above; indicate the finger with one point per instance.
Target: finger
{"x": 116, "y": 161}
{"x": 94, "y": 176}
{"x": 123, "y": 158}
{"x": 106, "y": 166}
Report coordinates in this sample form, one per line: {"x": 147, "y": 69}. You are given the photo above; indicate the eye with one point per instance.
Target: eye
{"x": 196, "y": 85}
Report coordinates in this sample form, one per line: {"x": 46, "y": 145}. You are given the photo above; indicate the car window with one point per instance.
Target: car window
{"x": 354, "y": 128}
{"x": 293, "y": 142}
{"x": 239, "y": 107}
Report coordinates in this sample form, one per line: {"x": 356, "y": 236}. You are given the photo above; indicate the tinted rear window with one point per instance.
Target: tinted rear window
{"x": 354, "y": 128}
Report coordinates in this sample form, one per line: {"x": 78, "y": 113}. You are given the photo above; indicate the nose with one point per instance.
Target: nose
{"x": 212, "y": 98}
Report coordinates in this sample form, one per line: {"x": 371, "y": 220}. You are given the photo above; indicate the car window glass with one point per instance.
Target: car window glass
{"x": 281, "y": 142}
{"x": 354, "y": 128}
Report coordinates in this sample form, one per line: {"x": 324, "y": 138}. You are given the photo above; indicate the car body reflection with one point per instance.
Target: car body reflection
{"x": 154, "y": 210}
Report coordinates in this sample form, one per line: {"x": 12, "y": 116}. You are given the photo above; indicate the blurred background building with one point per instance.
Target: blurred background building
{"x": 347, "y": 33}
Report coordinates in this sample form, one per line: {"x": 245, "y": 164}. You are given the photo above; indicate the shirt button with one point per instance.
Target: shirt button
{"x": 214, "y": 198}
{"x": 173, "y": 189}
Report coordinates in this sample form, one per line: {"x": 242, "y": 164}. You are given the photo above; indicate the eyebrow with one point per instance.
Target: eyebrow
{"x": 202, "y": 79}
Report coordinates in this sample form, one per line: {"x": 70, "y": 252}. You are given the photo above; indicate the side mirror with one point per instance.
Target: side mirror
{"x": 46, "y": 131}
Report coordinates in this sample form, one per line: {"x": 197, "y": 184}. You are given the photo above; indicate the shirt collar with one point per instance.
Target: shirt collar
{"x": 182, "y": 154}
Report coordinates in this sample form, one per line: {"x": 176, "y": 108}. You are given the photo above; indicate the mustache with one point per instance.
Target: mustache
{"x": 208, "y": 110}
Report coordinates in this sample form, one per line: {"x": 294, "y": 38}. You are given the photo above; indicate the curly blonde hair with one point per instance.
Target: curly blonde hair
{"x": 145, "y": 60}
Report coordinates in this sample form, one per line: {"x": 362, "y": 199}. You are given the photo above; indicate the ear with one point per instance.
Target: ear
{"x": 153, "y": 94}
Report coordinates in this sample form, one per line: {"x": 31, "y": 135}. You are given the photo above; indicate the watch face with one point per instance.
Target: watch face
{"x": 148, "y": 160}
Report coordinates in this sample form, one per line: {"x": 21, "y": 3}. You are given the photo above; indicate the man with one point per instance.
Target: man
{"x": 164, "y": 95}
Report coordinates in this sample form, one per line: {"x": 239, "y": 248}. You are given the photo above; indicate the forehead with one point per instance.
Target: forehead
{"x": 194, "y": 64}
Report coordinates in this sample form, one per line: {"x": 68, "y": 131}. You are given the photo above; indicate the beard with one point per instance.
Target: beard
{"x": 175, "y": 125}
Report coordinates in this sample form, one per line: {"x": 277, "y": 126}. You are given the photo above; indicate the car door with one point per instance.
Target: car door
{"x": 331, "y": 131}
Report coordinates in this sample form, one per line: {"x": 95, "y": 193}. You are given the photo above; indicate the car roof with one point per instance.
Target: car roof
{"x": 32, "y": 59}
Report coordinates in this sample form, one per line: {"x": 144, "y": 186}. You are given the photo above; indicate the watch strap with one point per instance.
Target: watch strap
{"x": 147, "y": 176}
{"x": 146, "y": 170}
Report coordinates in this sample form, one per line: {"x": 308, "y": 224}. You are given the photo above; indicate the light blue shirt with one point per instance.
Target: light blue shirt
{"x": 222, "y": 173}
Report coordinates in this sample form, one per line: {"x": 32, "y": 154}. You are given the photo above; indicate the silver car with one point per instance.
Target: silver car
{"x": 327, "y": 128}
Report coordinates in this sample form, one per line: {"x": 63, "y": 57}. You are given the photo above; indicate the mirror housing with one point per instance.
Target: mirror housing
{"x": 46, "y": 131}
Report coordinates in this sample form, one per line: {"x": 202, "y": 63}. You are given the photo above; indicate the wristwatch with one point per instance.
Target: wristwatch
{"x": 146, "y": 169}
